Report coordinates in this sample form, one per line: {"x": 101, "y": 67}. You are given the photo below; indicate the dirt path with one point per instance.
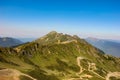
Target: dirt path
{"x": 113, "y": 74}
{"x": 78, "y": 63}
{"x": 92, "y": 67}
{"x": 12, "y": 74}
{"x": 66, "y": 42}
{"x": 82, "y": 69}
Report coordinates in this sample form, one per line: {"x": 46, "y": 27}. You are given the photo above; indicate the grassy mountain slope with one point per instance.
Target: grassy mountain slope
{"x": 54, "y": 57}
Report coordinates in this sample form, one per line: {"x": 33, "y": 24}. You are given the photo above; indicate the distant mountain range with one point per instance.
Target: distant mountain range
{"x": 26, "y": 39}
{"x": 9, "y": 42}
{"x": 108, "y": 46}
{"x": 57, "y": 56}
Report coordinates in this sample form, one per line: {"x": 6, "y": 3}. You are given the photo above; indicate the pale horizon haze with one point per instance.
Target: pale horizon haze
{"x": 35, "y": 18}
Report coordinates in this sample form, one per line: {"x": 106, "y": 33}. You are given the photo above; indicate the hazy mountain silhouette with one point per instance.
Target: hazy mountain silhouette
{"x": 9, "y": 42}
{"x": 109, "y": 47}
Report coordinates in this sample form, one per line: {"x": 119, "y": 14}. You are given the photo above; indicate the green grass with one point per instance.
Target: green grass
{"x": 46, "y": 60}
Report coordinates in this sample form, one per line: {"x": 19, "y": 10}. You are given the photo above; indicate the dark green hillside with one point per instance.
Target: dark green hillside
{"x": 56, "y": 57}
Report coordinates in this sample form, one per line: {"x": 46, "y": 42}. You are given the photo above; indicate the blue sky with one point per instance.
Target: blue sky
{"x": 35, "y": 18}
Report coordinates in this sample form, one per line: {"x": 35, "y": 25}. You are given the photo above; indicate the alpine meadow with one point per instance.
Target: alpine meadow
{"x": 59, "y": 40}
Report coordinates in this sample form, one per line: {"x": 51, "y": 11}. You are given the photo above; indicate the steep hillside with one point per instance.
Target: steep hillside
{"x": 9, "y": 42}
{"x": 58, "y": 56}
{"x": 109, "y": 47}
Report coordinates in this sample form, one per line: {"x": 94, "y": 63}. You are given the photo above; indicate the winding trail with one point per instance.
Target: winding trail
{"x": 92, "y": 67}
{"x": 12, "y": 74}
{"x": 113, "y": 74}
{"x": 78, "y": 63}
{"x": 66, "y": 42}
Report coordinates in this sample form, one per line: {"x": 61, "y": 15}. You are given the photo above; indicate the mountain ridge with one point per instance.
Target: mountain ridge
{"x": 45, "y": 59}
{"x": 109, "y": 47}
{"x": 9, "y": 42}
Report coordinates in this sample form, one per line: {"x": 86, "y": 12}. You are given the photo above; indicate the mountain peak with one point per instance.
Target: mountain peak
{"x": 55, "y": 37}
{"x": 53, "y": 32}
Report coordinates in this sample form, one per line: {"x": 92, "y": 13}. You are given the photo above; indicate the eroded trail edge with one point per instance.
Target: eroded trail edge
{"x": 92, "y": 67}
{"x": 12, "y": 74}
